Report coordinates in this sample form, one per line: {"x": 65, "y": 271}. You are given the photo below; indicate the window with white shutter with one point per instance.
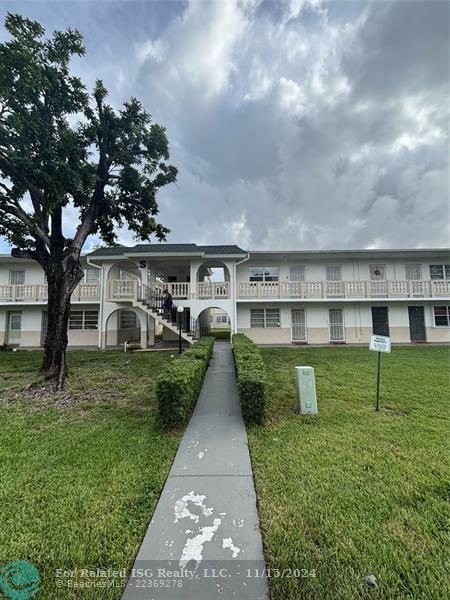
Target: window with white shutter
{"x": 16, "y": 277}
{"x": 413, "y": 272}
{"x": 333, "y": 272}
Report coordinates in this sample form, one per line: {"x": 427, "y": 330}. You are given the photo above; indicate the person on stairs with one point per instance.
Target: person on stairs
{"x": 167, "y": 303}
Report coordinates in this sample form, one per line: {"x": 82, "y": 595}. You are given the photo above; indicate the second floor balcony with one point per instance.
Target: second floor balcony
{"x": 128, "y": 289}
{"x": 36, "y": 292}
{"x": 345, "y": 289}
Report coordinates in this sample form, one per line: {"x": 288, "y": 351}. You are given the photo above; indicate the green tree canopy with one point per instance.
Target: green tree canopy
{"x": 62, "y": 147}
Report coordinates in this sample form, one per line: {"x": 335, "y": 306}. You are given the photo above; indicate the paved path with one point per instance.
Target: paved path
{"x": 204, "y": 541}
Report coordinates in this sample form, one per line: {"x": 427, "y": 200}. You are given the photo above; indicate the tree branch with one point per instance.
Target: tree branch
{"x": 31, "y": 254}
{"x": 16, "y": 210}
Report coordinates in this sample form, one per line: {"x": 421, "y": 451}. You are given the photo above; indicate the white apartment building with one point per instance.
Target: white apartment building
{"x": 274, "y": 297}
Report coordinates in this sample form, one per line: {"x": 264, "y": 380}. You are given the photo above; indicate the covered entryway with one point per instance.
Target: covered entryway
{"x": 298, "y": 325}
{"x": 123, "y": 325}
{"x": 204, "y": 324}
{"x": 380, "y": 320}
{"x": 417, "y": 329}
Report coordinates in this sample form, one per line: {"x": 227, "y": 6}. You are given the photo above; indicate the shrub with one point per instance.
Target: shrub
{"x": 179, "y": 385}
{"x": 251, "y": 379}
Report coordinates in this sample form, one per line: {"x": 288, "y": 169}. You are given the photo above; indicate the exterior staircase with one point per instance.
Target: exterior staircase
{"x": 151, "y": 301}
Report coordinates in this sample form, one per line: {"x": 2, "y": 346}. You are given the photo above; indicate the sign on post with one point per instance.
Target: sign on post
{"x": 379, "y": 343}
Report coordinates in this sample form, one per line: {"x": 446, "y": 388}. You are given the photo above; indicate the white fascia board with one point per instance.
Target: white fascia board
{"x": 224, "y": 256}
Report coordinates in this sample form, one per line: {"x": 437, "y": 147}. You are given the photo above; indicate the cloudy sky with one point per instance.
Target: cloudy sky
{"x": 295, "y": 124}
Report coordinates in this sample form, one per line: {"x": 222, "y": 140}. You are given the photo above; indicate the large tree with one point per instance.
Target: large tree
{"x": 63, "y": 152}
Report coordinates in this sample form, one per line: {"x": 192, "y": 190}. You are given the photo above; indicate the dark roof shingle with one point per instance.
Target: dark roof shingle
{"x": 156, "y": 248}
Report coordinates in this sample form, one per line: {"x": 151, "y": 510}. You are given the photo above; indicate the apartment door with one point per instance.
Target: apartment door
{"x": 417, "y": 330}
{"x": 298, "y": 325}
{"x": 336, "y": 325}
{"x": 14, "y": 333}
{"x": 380, "y": 320}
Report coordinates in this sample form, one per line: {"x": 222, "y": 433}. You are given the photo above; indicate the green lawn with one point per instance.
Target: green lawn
{"x": 80, "y": 472}
{"x": 351, "y": 492}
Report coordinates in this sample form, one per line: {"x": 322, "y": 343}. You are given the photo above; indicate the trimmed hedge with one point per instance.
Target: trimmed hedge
{"x": 179, "y": 385}
{"x": 251, "y": 379}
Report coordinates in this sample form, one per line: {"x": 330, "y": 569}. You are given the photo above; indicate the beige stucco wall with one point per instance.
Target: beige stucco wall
{"x": 32, "y": 323}
{"x": 168, "y": 335}
{"x": 438, "y": 335}
{"x": 357, "y": 322}
{"x": 79, "y": 337}
{"x": 271, "y": 335}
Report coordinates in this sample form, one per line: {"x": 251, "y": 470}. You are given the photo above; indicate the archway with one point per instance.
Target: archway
{"x": 213, "y": 280}
{"x": 214, "y": 321}
{"x": 122, "y": 325}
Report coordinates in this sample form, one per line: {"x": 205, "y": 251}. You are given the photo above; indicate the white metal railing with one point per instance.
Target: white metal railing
{"x": 38, "y": 292}
{"x": 345, "y": 289}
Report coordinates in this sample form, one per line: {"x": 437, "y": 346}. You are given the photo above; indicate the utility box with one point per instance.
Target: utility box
{"x": 306, "y": 390}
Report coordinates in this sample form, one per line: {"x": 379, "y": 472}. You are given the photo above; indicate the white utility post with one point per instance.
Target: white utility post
{"x": 306, "y": 390}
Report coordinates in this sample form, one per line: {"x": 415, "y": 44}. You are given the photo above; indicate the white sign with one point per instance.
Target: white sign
{"x": 380, "y": 343}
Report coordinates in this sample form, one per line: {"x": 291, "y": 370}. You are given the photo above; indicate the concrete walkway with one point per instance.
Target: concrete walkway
{"x": 204, "y": 541}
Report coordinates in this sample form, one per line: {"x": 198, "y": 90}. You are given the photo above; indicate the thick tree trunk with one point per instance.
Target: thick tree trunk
{"x": 61, "y": 281}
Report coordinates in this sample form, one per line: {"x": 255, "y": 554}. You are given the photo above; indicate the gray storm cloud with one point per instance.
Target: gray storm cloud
{"x": 300, "y": 124}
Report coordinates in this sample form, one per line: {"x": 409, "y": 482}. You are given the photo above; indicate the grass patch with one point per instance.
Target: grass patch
{"x": 351, "y": 492}
{"x": 79, "y": 483}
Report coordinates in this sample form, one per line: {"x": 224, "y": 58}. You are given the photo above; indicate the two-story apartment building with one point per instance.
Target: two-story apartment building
{"x": 274, "y": 297}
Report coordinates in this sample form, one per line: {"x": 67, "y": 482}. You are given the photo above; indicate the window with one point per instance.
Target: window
{"x": 264, "y": 317}
{"x": 15, "y": 321}
{"x": 16, "y": 277}
{"x": 257, "y": 317}
{"x": 297, "y": 273}
{"x": 377, "y": 272}
{"x": 222, "y": 319}
{"x": 83, "y": 319}
{"x": 272, "y": 317}
{"x": 91, "y": 275}
{"x": 440, "y": 271}
{"x": 441, "y": 316}
{"x": 76, "y": 319}
{"x": 333, "y": 272}
{"x": 90, "y": 319}
{"x": 128, "y": 319}
{"x": 263, "y": 273}
{"x": 413, "y": 272}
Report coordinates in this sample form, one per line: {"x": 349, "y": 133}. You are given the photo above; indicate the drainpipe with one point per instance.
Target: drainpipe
{"x": 100, "y": 316}
{"x": 235, "y": 289}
